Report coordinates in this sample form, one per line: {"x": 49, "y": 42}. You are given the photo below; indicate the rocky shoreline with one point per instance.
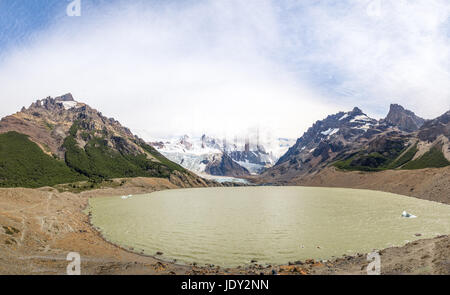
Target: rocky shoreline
{"x": 39, "y": 227}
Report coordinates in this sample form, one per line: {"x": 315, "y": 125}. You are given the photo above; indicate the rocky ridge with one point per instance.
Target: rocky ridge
{"x": 354, "y": 141}
{"x": 405, "y": 120}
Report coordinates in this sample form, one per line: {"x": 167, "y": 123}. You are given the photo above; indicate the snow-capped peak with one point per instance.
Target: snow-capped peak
{"x": 194, "y": 153}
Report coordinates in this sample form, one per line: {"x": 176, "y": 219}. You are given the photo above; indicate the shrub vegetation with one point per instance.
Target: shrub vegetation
{"x": 434, "y": 158}
{"x": 98, "y": 161}
{"x": 24, "y": 164}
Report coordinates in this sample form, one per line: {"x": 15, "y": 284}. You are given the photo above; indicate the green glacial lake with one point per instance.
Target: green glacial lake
{"x": 273, "y": 225}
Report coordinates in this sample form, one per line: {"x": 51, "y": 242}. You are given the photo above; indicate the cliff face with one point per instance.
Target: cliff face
{"x": 223, "y": 165}
{"x": 405, "y": 120}
{"x": 432, "y": 129}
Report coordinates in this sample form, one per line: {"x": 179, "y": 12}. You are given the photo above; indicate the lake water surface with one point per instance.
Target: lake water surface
{"x": 273, "y": 225}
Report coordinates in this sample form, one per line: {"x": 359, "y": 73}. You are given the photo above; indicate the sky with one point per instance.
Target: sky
{"x": 225, "y": 67}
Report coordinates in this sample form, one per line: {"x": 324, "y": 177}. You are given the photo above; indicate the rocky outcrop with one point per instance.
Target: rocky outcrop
{"x": 188, "y": 180}
{"x": 432, "y": 129}
{"x": 223, "y": 165}
{"x": 404, "y": 119}
{"x": 65, "y": 97}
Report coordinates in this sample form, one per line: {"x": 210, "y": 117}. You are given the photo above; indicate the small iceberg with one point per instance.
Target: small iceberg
{"x": 408, "y": 215}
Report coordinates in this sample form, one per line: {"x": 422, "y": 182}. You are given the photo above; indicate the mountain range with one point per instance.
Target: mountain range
{"x": 60, "y": 140}
{"x": 213, "y": 156}
{"x": 354, "y": 141}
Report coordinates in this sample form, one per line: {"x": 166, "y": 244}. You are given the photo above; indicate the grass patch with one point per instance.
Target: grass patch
{"x": 372, "y": 162}
{"x": 350, "y": 165}
{"x": 377, "y": 161}
{"x": 434, "y": 158}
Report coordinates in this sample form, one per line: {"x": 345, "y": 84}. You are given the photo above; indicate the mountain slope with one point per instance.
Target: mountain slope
{"x": 353, "y": 141}
{"x": 432, "y": 129}
{"x": 23, "y": 163}
{"x": 323, "y": 141}
{"x": 90, "y": 145}
{"x": 428, "y": 147}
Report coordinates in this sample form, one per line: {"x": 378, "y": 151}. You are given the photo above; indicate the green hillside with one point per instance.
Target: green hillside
{"x": 434, "y": 158}
{"x": 158, "y": 156}
{"x": 98, "y": 161}
{"x": 370, "y": 162}
{"x": 401, "y": 159}
{"x": 24, "y": 164}
{"x": 387, "y": 157}
{"x": 406, "y": 157}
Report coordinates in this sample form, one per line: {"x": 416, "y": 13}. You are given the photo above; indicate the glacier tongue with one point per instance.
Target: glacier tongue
{"x": 196, "y": 154}
{"x": 194, "y": 162}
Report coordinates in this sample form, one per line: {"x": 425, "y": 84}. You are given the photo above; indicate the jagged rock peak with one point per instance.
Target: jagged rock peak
{"x": 65, "y": 97}
{"x": 404, "y": 119}
{"x": 357, "y": 111}
{"x": 65, "y": 101}
{"x": 395, "y": 108}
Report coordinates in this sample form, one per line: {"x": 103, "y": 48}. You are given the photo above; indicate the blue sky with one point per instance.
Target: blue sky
{"x": 225, "y": 66}
{"x": 18, "y": 19}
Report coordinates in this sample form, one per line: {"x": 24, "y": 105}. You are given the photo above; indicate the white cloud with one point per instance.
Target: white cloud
{"x": 383, "y": 51}
{"x": 222, "y": 67}
{"x": 166, "y": 70}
